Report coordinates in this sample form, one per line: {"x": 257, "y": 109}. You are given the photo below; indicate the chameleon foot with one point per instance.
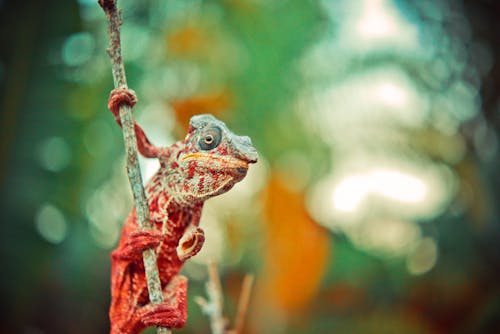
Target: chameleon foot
{"x": 119, "y": 96}
{"x": 163, "y": 315}
{"x": 190, "y": 243}
{"x": 138, "y": 242}
{"x": 171, "y": 314}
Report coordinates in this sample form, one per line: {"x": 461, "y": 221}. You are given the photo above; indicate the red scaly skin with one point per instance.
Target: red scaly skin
{"x": 208, "y": 162}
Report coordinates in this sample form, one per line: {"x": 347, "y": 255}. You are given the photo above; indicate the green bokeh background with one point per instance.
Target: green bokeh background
{"x": 59, "y": 147}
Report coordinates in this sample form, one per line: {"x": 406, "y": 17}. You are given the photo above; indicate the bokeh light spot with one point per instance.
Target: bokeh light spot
{"x": 389, "y": 237}
{"x": 349, "y": 193}
{"x": 54, "y": 154}
{"x": 107, "y": 206}
{"x": 50, "y": 223}
{"x": 392, "y": 184}
{"x": 392, "y": 94}
{"x": 398, "y": 186}
{"x": 78, "y": 49}
{"x": 423, "y": 258}
{"x": 376, "y": 23}
{"x": 135, "y": 41}
{"x": 465, "y": 100}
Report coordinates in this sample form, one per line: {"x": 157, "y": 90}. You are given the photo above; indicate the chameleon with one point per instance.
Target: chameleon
{"x": 208, "y": 162}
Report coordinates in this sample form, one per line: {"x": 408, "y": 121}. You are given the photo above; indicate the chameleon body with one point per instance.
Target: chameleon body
{"x": 208, "y": 162}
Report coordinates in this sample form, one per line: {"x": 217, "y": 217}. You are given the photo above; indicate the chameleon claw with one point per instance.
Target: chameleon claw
{"x": 120, "y": 96}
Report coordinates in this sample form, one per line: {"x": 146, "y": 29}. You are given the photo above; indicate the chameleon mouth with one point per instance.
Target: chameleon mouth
{"x": 226, "y": 162}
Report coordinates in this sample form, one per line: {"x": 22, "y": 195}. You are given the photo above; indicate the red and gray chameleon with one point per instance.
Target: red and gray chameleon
{"x": 208, "y": 162}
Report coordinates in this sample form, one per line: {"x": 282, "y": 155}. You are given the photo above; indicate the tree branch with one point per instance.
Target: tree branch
{"x": 244, "y": 300}
{"x": 114, "y": 18}
{"x": 215, "y": 303}
{"x": 213, "y": 307}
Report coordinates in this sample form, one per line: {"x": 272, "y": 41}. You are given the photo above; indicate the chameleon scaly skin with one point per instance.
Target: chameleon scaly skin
{"x": 208, "y": 162}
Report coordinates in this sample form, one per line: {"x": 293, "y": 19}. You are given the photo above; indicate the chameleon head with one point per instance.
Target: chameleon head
{"x": 214, "y": 158}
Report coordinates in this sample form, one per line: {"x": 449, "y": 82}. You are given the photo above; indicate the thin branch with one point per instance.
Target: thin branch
{"x": 213, "y": 307}
{"x": 244, "y": 300}
{"x": 113, "y": 16}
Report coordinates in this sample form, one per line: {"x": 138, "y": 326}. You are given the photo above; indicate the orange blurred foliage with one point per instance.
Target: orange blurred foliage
{"x": 188, "y": 40}
{"x": 214, "y": 104}
{"x": 296, "y": 251}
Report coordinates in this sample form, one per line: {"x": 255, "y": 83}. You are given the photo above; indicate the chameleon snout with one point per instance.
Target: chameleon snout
{"x": 245, "y": 150}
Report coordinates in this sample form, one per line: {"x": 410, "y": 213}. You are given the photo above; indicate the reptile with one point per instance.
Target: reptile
{"x": 208, "y": 162}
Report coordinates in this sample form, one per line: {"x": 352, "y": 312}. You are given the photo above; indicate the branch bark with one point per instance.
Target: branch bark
{"x": 114, "y": 18}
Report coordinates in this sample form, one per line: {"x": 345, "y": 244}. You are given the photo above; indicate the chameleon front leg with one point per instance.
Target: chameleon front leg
{"x": 190, "y": 243}
{"x": 136, "y": 243}
{"x": 171, "y": 314}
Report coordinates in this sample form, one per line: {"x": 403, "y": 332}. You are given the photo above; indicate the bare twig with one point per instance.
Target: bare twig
{"x": 213, "y": 307}
{"x": 246, "y": 290}
{"x": 113, "y": 16}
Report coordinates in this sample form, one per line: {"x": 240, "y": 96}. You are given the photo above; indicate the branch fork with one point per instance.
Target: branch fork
{"x": 213, "y": 306}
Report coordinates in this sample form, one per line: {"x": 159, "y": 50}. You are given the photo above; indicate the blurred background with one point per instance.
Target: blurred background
{"x": 374, "y": 207}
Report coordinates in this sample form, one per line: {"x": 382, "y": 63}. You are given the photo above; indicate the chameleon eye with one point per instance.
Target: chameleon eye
{"x": 210, "y": 139}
